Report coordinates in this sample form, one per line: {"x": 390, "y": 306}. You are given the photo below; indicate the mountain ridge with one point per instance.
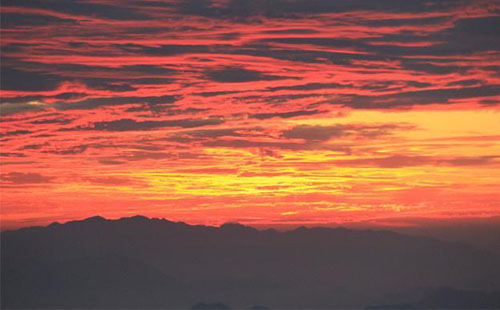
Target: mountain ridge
{"x": 305, "y": 267}
{"x": 228, "y": 225}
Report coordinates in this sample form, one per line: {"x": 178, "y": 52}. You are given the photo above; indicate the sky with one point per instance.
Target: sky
{"x": 298, "y": 112}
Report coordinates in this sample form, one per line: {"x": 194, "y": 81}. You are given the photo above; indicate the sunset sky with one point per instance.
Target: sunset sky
{"x": 300, "y": 112}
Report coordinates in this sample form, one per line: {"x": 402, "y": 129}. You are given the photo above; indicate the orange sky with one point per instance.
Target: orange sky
{"x": 269, "y": 115}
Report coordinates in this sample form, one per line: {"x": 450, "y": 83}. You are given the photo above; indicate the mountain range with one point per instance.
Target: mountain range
{"x": 139, "y": 262}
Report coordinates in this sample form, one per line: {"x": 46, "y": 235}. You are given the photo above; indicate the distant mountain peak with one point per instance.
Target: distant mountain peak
{"x": 54, "y": 224}
{"x": 131, "y": 219}
{"x": 93, "y": 219}
{"x": 136, "y": 218}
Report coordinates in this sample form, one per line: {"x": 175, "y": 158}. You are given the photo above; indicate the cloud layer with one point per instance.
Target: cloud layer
{"x": 325, "y": 110}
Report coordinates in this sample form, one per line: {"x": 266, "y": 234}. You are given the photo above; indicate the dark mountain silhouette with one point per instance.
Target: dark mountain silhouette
{"x": 450, "y": 298}
{"x": 88, "y": 282}
{"x": 482, "y": 232}
{"x": 138, "y": 262}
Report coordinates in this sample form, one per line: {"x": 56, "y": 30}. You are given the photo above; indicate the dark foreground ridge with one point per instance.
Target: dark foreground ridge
{"x": 137, "y": 262}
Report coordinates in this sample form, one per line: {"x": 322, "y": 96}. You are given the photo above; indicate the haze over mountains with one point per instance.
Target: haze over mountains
{"x": 138, "y": 262}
